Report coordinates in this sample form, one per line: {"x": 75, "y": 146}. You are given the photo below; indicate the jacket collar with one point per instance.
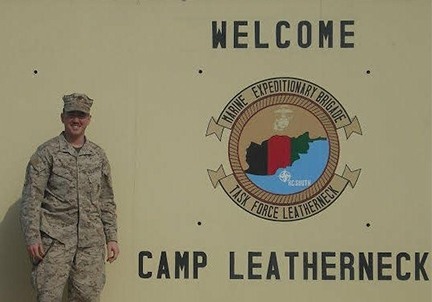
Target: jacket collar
{"x": 68, "y": 148}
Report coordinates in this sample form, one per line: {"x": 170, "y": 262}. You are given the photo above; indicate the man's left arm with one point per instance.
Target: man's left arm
{"x": 108, "y": 211}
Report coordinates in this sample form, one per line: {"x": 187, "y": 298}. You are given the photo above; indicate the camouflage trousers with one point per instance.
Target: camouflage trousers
{"x": 82, "y": 269}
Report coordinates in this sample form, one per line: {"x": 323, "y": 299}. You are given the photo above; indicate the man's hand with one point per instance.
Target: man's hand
{"x": 36, "y": 252}
{"x": 112, "y": 251}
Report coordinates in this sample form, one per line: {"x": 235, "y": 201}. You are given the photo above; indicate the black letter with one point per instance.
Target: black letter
{"x": 326, "y": 32}
{"x": 273, "y": 267}
{"x": 308, "y": 34}
{"x": 198, "y": 264}
{"x": 344, "y": 266}
{"x": 366, "y": 266}
{"x": 163, "y": 266}
{"x": 291, "y": 256}
{"x": 345, "y": 34}
{"x": 258, "y": 43}
{"x": 279, "y": 42}
{"x": 238, "y": 34}
{"x": 313, "y": 266}
{"x": 141, "y": 256}
{"x": 419, "y": 266}
{"x": 233, "y": 275}
{"x": 182, "y": 262}
{"x": 382, "y": 266}
{"x": 399, "y": 275}
{"x": 252, "y": 265}
{"x": 219, "y": 36}
{"x": 325, "y": 265}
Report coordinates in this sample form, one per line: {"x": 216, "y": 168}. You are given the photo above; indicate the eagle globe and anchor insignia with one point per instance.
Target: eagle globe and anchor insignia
{"x": 284, "y": 149}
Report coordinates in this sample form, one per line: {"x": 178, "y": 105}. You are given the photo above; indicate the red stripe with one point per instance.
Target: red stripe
{"x": 278, "y": 153}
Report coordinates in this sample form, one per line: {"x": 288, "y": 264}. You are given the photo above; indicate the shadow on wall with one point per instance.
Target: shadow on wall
{"x": 15, "y": 265}
{"x": 15, "y": 280}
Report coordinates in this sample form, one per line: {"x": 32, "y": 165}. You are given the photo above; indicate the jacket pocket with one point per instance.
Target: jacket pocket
{"x": 95, "y": 188}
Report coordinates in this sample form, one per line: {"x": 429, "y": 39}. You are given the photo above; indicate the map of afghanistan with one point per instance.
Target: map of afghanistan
{"x": 276, "y": 152}
{"x": 287, "y": 165}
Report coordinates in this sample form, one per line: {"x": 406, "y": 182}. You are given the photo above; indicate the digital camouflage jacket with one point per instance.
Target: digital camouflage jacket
{"x": 68, "y": 195}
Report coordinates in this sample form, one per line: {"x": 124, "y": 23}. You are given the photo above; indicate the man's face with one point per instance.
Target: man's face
{"x": 75, "y": 122}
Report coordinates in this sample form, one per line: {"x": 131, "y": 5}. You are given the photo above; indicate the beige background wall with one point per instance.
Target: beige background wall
{"x": 140, "y": 61}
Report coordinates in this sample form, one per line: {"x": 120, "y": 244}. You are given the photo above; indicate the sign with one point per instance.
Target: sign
{"x": 259, "y": 150}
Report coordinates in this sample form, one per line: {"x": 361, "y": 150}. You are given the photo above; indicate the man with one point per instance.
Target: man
{"x": 68, "y": 212}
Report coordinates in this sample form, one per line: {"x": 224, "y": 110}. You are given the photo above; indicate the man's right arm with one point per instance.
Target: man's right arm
{"x": 37, "y": 175}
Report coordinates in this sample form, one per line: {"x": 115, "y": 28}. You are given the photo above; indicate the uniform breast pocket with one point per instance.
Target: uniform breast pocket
{"x": 61, "y": 181}
{"x": 95, "y": 186}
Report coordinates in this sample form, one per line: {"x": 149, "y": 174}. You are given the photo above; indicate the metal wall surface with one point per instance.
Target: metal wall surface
{"x": 157, "y": 78}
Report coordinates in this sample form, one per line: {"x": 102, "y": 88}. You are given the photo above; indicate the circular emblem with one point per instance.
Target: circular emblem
{"x": 283, "y": 149}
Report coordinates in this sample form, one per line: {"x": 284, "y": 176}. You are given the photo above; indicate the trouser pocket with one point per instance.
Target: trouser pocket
{"x": 50, "y": 275}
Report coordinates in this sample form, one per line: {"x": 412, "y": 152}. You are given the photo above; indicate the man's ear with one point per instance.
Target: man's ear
{"x": 62, "y": 117}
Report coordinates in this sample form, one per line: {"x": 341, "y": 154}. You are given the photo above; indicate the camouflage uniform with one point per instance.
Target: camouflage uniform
{"x": 68, "y": 205}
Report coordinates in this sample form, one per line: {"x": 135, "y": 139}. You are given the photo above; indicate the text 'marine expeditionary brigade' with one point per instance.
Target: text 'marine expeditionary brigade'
{"x": 284, "y": 149}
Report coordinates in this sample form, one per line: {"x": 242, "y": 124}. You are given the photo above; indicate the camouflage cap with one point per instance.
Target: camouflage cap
{"x": 77, "y": 102}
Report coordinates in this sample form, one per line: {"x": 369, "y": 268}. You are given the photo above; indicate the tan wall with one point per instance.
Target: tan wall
{"x": 140, "y": 61}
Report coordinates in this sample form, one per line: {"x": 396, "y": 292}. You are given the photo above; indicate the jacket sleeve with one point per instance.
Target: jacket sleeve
{"x": 37, "y": 175}
{"x": 107, "y": 204}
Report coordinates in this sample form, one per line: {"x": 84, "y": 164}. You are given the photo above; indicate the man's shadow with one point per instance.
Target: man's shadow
{"x": 14, "y": 261}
